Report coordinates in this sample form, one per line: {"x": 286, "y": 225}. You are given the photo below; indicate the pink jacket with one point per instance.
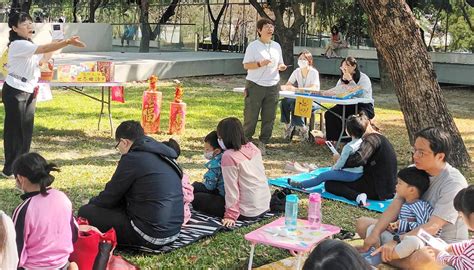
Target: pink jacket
{"x": 45, "y": 230}
{"x": 188, "y": 197}
{"x": 246, "y": 188}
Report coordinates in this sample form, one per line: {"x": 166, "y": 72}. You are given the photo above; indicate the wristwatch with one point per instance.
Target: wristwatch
{"x": 396, "y": 238}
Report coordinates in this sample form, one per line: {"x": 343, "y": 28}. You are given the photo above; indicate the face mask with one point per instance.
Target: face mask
{"x": 18, "y": 187}
{"x": 208, "y": 155}
{"x": 221, "y": 144}
{"x": 302, "y": 63}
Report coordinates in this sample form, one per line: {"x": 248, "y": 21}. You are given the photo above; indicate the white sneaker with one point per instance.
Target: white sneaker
{"x": 288, "y": 130}
{"x": 303, "y": 131}
{"x": 361, "y": 199}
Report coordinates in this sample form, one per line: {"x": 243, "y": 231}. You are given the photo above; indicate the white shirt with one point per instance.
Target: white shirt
{"x": 312, "y": 78}
{"x": 364, "y": 82}
{"x": 257, "y": 51}
{"x": 22, "y": 61}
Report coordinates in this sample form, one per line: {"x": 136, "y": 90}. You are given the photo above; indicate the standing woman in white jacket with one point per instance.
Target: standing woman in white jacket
{"x": 20, "y": 87}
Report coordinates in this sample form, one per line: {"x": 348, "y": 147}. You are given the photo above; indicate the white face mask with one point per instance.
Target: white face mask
{"x": 18, "y": 186}
{"x": 303, "y": 63}
{"x": 221, "y": 144}
{"x": 208, "y": 155}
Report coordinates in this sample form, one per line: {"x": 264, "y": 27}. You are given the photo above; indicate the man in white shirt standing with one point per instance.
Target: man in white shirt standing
{"x": 263, "y": 61}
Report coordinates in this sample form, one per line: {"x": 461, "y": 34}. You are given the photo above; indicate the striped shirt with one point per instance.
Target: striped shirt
{"x": 413, "y": 215}
{"x": 462, "y": 258}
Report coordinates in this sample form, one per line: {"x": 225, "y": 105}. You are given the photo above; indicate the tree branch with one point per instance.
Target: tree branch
{"x": 224, "y": 6}
{"x": 466, "y": 16}
{"x": 209, "y": 10}
{"x": 259, "y": 9}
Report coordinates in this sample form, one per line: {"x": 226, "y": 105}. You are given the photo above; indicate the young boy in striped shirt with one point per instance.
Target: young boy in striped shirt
{"x": 412, "y": 184}
{"x": 461, "y": 255}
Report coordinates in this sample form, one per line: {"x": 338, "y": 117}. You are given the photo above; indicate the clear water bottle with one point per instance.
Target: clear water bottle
{"x": 291, "y": 212}
{"x": 314, "y": 211}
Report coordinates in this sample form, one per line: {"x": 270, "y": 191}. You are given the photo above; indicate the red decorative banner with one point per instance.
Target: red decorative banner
{"x": 118, "y": 94}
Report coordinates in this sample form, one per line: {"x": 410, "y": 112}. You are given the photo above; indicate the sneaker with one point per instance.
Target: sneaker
{"x": 261, "y": 146}
{"x": 310, "y": 166}
{"x": 295, "y": 167}
{"x": 361, "y": 199}
{"x": 288, "y": 131}
{"x": 303, "y": 131}
{"x": 294, "y": 184}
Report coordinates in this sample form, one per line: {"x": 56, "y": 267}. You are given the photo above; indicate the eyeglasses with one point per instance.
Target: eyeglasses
{"x": 420, "y": 153}
{"x": 116, "y": 146}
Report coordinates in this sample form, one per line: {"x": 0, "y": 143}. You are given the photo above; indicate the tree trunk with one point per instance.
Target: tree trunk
{"x": 169, "y": 12}
{"x": 93, "y": 6}
{"x": 144, "y": 26}
{"x": 215, "y": 21}
{"x": 396, "y": 37}
{"x": 74, "y": 10}
{"x": 21, "y": 6}
{"x": 385, "y": 80}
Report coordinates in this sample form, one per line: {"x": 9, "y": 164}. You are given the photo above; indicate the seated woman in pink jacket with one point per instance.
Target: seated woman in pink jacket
{"x": 247, "y": 194}
{"x": 44, "y": 224}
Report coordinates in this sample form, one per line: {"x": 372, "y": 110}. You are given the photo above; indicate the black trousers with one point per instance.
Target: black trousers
{"x": 334, "y": 123}
{"x": 105, "y": 219}
{"x": 208, "y": 201}
{"x": 18, "y": 125}
{"x": 350, "y": 190}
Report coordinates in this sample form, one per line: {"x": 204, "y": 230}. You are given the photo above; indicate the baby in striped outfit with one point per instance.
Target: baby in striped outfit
{"x": 412, "y": 184}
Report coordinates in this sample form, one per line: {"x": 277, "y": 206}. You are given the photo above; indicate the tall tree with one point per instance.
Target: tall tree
{"x": 169, "y": 12}
{"x": 21, "y": 5}
{"x": 285, "y": 34}
{"x": 144, "y": 6}
{"x": 215, "y": 21}
{"x": 397, "y": 38}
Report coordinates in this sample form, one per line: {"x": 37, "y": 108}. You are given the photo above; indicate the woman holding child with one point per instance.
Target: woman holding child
{"x": 379, "y": 161}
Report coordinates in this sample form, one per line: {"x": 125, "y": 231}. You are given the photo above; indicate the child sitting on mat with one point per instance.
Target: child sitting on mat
{"x": 412, "y": 184}
{"x": 461, "y": 255}
{"x": 356, "y": 126}
{"x": 188, "y": 195}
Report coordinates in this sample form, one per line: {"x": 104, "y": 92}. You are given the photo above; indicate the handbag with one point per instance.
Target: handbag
{"x": 278, "y": 200}
{"x": 94, "y": 250}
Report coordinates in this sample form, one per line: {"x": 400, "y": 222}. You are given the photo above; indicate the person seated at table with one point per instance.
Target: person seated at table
{"x": 44, "y": 224}
{"x": 377, "y": 156}
{"x": 188, "y": 190}
{"x": 209, "y": 195}
{"x": 350, "y": 76}
{"x": 247, "y": 194}
{"x": 143, "y": 201}
{"x": 356, "y": 126}
{"x": 305, "y": 76}
{"x": 333, "y": 254}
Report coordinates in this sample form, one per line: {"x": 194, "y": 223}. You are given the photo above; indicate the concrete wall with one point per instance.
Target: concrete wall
{"x": 97, "y": 36}
{"x": 456, "y": 68}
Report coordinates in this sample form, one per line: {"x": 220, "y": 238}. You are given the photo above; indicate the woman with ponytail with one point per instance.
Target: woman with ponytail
{"x": 20, "y": 87}
{"x": 44, "y": 224}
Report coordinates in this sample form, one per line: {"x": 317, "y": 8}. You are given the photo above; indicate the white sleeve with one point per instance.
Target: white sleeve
{"x": 22, "y": 48}
{"x": 280, "y": 61}
{"x": 292, "y": 78}
{"x": 315, "y": 79}
{"x": 249, "y": 54}
{"x": 366, "y": 84}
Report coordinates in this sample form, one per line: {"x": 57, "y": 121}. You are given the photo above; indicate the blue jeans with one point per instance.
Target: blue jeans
{"x": 287, "y": 107}
{"x": 332, "y": 175}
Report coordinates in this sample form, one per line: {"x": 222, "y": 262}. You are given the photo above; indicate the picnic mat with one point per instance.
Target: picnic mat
{"x": 378, "y": 206}
{"x": 200, "y": 226}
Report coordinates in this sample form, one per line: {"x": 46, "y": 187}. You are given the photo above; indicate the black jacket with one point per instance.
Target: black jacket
{"x": 378, "y": 157}
{"x": 148, "y": 187}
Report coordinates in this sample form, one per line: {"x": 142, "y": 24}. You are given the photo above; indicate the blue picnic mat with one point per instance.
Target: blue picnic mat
{"x": 378, "y": 206}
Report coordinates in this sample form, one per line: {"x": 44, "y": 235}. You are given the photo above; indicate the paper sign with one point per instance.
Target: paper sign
{"x": 303, "y": 107}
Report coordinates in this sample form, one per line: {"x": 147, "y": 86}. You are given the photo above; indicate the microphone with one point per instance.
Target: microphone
{"x": 33, "y": 31}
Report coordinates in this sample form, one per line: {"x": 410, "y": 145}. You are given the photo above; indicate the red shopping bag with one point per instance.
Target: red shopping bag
{"x": 118, "y": 94}
{"x": 93, "y": 250}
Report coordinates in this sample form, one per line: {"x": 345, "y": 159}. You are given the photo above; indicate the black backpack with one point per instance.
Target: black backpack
{"x": 278, "y": 200}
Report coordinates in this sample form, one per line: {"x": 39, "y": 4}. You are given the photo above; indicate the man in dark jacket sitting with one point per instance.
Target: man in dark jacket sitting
{"x": 143, "y": 201}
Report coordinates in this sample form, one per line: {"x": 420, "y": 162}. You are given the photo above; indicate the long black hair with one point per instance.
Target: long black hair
{"x": 15, "y": 19}
{"x": 352, "y": 62}
{"x": 34, "y": 167}
{"x": 335, "y": 254}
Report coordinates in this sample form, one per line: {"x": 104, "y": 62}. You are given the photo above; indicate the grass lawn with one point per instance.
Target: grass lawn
{"x": 66, "y": 133}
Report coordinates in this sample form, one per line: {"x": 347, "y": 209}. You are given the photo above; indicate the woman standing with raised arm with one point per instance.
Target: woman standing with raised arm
{"x": 20, "y": 88}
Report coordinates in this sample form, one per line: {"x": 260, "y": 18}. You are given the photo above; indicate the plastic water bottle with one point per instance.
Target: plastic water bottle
{"x": 291, "y": 212}
{"x": 314, "y": 211}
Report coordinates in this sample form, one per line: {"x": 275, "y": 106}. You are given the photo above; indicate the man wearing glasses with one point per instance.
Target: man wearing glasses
{"x": 431, "y": 150}
{"x": 143, "y": 201}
